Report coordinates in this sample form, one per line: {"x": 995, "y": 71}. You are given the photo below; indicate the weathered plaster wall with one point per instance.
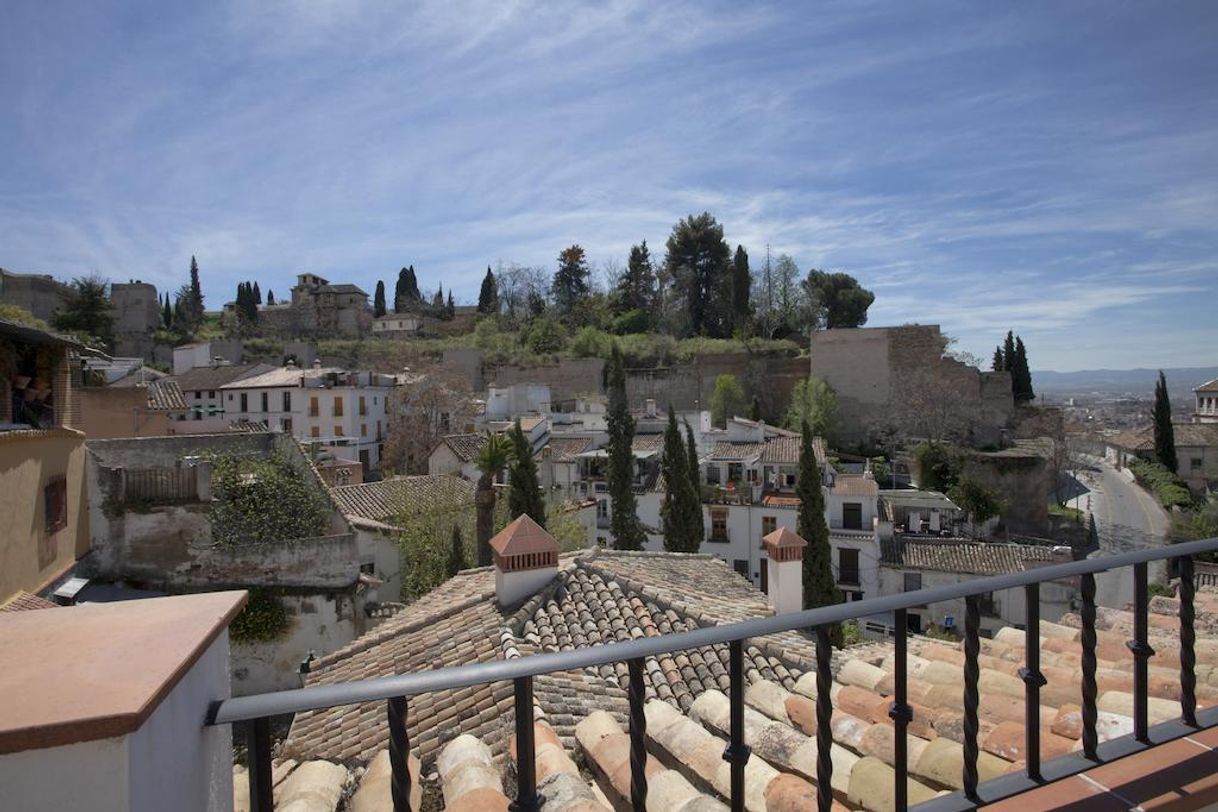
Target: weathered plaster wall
{"x": 321, "y": 622}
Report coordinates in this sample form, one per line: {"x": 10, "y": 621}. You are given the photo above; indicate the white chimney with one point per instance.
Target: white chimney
{"x": 785, "y": 551}
{"x": 649, "y": 407}
{"x": 526, "y": 559}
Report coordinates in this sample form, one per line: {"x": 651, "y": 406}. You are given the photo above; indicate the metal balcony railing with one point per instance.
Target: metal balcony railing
{"x": 256, "y": 711}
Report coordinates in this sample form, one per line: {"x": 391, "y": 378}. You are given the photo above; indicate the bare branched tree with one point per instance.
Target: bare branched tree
{"x": 926, "y": 408}
{"x": 435, "y": 404}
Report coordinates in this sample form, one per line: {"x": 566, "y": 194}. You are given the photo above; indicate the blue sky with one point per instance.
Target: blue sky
{"x": 1050, "y": 168}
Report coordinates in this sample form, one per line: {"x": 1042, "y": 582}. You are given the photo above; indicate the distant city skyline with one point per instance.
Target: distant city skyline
{"x": 1046, "y": 168}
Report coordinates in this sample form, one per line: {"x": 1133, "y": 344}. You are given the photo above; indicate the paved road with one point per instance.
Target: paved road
{"x": 1126, "y": 518}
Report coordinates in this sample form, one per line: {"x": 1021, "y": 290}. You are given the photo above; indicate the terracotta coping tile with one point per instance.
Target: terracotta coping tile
{"x": 98, "y": 671}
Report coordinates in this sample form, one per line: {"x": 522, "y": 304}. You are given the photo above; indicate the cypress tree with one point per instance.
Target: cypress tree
{"x": 167, "y": 314}
{"x": 378, "y": 299}
{"x": 1008, "y": 357}
{"x": 742, "y": 283}
{"x": 755, "y": 410}
{"x": 819, "y": 586}
{"x": 1021, "y": 374}
{"x": 456, "y": 554}
{"x": 412, "y": 286}
{"x": 524, "y": 489}
{"x": 399, "y": 292}
{"x": 679, "y": 534}
{"x": 270, "y": 297}
{"x": 257, "y": 293}
{"x": 623, "y": 518}
{"x": 450, "y": 309}
{"x": 437, "y": 301}
{"x": 195, "y": 305}
{"x": 1165, "y": 434}
{"x": 695, "y": 483}
{"x": 998, "y": 364}
{"x": 488, "y": 296}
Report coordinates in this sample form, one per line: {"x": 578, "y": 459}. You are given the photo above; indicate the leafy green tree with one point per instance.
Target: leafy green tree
{"x": 623, "y": 518}
{"x": 820, "y": 589}
{"x": 814, "y": 402}
{"x": 1165, "y": 433}
{"x": 979, "y": 502}
{"x": 726, "y": 400}
{"x": 456, "y": 553}
{"x": 742, "y": 283}
{"x": 680, "y": 534}
{"x": 839, "y": 298}
{"x": 937, "y": 466}
{"x": 695, "y": 483}
{"x": 86, "y": 311}
{"x": 263, "y": 501}
{"x": 544, "y": 335}
{"x": 698, "y": 261}
{"x": 636, "y": 290}
{"x": 524, "y": 486}
{"x": 492, "y": 459}
{"x": 378, "y": 299}
{"x": 570, "y": 286}
{"x": 488, "y": 296}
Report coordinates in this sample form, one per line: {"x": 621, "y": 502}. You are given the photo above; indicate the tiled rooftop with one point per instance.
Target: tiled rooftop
{"x": 210, "y": 378}
{"x": 854, "y": 485}
{"x": 383, "y": 501}
{"x": 165, "y": 395}
{"x": 607, "y": 595}
{"x": 25, "y": 602}
{"x": 959, "y": 555}
{"x": 465, "y": 446}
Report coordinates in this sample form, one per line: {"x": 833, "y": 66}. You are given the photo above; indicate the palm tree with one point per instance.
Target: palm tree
{"x": 492, "y": 459}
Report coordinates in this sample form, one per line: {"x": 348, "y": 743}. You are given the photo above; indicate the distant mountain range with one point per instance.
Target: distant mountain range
{"x": 1180, "y": 381}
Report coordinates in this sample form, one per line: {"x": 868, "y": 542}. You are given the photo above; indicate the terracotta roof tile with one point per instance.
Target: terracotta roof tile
{"x": 165, "y": 395}
{"x": 384, "y": 501}
{"x": 523, "y": 536}
{"x": 465, "y": 446}
{"x": 854, "y": 485}
{"x": 955, "y": 555}
{"x": 25, "y": 602}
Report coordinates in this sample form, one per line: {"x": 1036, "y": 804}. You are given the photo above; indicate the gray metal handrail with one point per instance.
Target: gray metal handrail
{"x": 318, "y": 697}
{"x": 255, "y": 711}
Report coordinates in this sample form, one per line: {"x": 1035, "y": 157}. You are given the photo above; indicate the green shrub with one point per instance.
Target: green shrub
{"x": 263, "y": 619}
{"x": 589, "y": 342}
{"x": 544, "y": 336}
{"x": 632, "y": 321}
{"x": 1168, "y": 488}
{"x": 938, "y": 466}
{"x": 264, "y": 501}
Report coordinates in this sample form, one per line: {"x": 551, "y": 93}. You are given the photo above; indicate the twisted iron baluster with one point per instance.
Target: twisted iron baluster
{"x": 399, "y": 752}
{"x": 638, "y": 737}
{"x": 1090, "y": 690}
{"x": 1188, "y": 639}
{"x": 824, "y": 715}
{"x": 972, "y": 671}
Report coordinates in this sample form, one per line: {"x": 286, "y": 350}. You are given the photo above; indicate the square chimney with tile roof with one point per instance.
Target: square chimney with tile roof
{"x": 526, "y": 559}
{"x": 785, "y": 550}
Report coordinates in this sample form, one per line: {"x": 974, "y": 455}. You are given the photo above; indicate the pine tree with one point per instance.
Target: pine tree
{"x": 694, "y": 470}
{"x": 1022, "y": 375}
{"x": 524, "y": 488}
{"x": 742, "y": 283}
{"x": 456, "y": 554}
{"x": 257, "y": 293}
{"x": 999, "y": 363}
{"x": 270, "y": 297}
{"x": 636, "y": 289}
{"x": 1165, "y": 433}
{"x": 819, "y": 586}
{"x": 378, "y": 299}
{"x": 623, "y": 519}
{"x": 570, "y": 285}
{"x": 488, "y": 296}
{"x": 679, "y": 533}
{"x": 699, "y": 262}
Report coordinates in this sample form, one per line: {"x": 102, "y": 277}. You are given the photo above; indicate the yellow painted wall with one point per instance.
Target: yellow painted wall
{"x": 107, "y": 413}
{"x": 29, "y": 556}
